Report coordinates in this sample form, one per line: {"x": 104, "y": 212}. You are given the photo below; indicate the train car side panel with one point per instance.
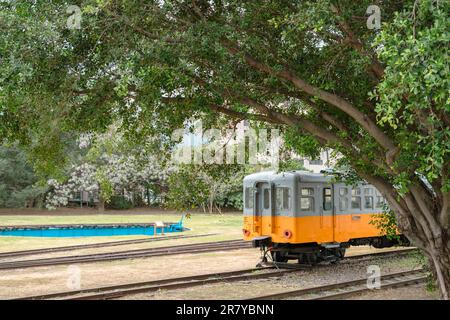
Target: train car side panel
{"x": 309, "y": 229}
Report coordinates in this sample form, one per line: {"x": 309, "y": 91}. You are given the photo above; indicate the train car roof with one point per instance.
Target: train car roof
{"x": 303, "y": 176}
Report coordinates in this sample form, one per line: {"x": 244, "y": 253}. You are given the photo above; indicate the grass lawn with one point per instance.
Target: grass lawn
{"x": 228, "y": 226}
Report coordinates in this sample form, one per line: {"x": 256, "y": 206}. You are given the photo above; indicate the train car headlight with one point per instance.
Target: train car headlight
{"x": 287, "y": 234}
{"x": 245, "y": 232}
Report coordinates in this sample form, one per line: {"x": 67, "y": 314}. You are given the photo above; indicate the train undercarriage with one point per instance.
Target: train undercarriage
{"x": 314, "y": 253}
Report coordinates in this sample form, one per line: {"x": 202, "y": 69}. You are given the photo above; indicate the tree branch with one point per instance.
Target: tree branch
{"x": 376, "y": 67}
{"x": 330, "y": 98}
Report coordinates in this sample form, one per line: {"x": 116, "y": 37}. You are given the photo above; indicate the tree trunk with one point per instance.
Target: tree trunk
{"x": 434, "y": 244}
{"x": 422, "y": 216}
{"x": 441, "y": 267}
{"x": 101, "y": 203}
{"x": 210, "y": 205}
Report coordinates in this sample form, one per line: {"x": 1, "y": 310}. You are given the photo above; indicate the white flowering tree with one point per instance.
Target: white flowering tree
{"x": 111, "y": 167}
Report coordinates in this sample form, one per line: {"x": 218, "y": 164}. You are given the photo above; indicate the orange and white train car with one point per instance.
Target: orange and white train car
{"x": 308, "y": 216}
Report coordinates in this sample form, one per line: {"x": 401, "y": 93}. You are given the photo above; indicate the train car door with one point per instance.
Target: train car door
{"x": 341, "y": 203}
{"x": 264, "y": 205}
{"x": 328, "y": 213}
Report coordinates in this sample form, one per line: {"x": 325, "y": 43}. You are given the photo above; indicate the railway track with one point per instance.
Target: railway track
{"x": 152, "y": 252}
{"x": 348, "y": 259}
{"x": 373, "y": 255}
{"x": 129, "y": 254}
{"x": 348, "y": 288}
{"x": 14, "y": 254}
{"x": 118, "y": 291}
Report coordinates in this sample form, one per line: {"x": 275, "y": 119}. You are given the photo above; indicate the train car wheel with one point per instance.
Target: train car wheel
{"x": 278, "y": 256}
{"x": 339, "y": 254}
{"x": 308, "y": 258}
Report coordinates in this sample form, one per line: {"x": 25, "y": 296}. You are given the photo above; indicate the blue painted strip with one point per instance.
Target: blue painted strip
{"x": 91, "y": 231}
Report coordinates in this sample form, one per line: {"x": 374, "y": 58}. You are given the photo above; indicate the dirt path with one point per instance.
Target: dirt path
{"x": 41, "y": 280}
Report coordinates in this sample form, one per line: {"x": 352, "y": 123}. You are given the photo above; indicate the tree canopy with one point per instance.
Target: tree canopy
{"x": 314, "y": 69}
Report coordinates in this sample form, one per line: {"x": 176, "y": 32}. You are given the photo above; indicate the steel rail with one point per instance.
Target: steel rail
{"x": 381, "y": 254}
{"x": 130, "y": 254}
{"x": 161, "y": 251}
{"x": 394, "y": 284}
{"x": 95, "y": 245}
{"x": 417, "y": 273}
{"x": 185, "y": 284}
{"x": 116, "y": 291}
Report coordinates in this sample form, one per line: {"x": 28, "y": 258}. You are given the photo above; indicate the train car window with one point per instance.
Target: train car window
{"x": 266, "y": 199}
{"x": 286, "y": 198}
{"x": 356, "y": 202}
{"x": 356, "y": 199}
{"x": 279, "y": 199}
{"x": 307, "y": 192}
{"x": 343, "y": 201}
{"x": 306, "y": 204}
{"x": 283, "y": 198}
{"x": 248, "y": 198}
{"x": 380, "y": 202}
{"x": 368, "y": 202}
{"x": 343, "y": 191}
{"x": 343, "y": 204}
{"x": 326, "y": 199}
{"x": 307, "y": 199}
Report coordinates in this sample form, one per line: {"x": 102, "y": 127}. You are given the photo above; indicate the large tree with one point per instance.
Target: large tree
{"x": 311, "y": 68}
{"x": 18, "y": 183}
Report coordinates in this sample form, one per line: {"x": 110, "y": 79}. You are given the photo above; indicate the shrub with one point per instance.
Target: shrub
{"x": 119, "y": 203}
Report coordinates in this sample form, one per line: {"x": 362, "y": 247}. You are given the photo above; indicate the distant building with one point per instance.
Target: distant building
{"x": 84, "y": 198}
{"x": 316, "y": 165}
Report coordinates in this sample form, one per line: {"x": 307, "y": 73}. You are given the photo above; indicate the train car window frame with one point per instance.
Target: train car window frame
{"x": 309, "y": 191}
{"x": 343, "y": 198}
{"x": 370, "y": 198}
{"x": 356, "y": 203}
{"x": 356, "y": 199}
{"x": 266, "y": 198}
{"x": 283, "y": 198}
{"x": 307, "y": 194}
{"x": 380, "y": 201}
{"x": 326, "y": 196}
{"x": 248, "y": 195}
{"x": 343, "y": 204}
